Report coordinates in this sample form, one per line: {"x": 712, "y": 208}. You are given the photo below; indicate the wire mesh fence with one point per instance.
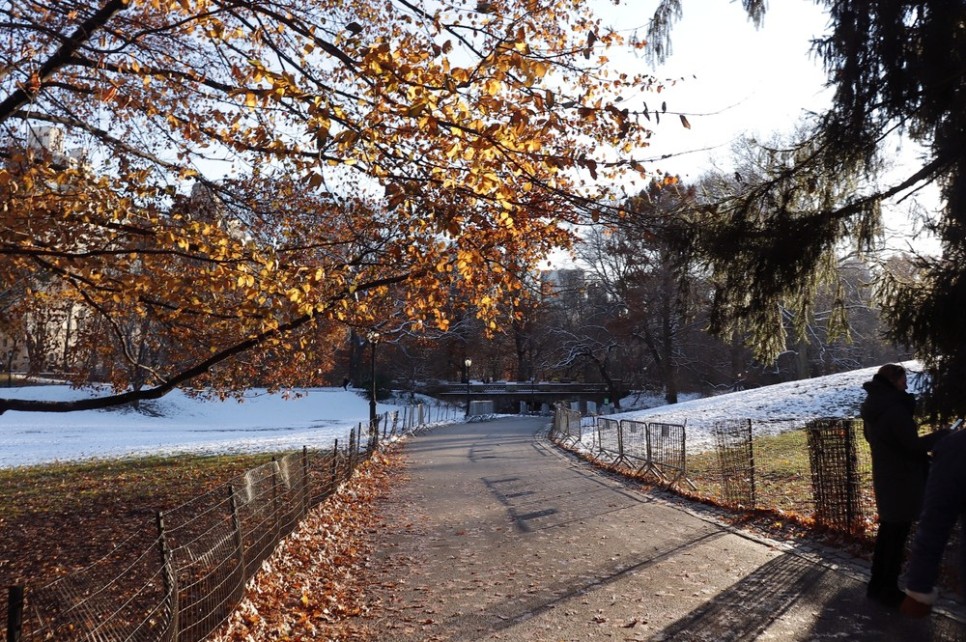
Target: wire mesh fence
{"x": 567, "y": 426}
{"x": 127, "y": 595}
{"x": 666, "y": 455}
{"x": 635, "y": 446}
{"x": 606, "y": 442}
{"x": 820, "y": 470}
{"x": 736, "y": 461}
{"x": 186, "y": 582}
{"x": 834, "y": 461}
{"x": 647, "y": 449}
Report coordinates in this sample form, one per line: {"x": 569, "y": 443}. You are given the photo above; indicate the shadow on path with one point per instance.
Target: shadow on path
{"x": 496, "y": 535}
{"x": 747, "y": 609}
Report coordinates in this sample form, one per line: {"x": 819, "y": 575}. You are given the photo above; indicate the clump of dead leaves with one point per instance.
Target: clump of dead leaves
{"x": 313, "y": 585}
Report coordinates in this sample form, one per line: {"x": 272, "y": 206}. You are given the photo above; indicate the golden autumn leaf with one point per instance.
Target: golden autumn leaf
{"x": 284, "y": 186}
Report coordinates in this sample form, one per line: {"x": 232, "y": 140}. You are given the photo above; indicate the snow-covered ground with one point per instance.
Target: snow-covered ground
{"x": 179, "y": 424}
{"x": 264, "y": 422}
{"x": 783, "y": 404}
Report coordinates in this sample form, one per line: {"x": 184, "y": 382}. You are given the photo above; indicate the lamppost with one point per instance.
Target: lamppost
{"x": 533, "y": 403}
{"x": 373, "y": 338}
{"x": 466, "y": 375}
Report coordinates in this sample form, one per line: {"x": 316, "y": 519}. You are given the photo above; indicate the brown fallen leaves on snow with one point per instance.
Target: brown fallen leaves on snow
{"x": 313, "y": 585}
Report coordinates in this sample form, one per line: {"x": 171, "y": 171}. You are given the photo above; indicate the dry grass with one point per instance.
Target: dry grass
{"x": 58, "y": 518}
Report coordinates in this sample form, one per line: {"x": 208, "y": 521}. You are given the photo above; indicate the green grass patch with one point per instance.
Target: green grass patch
{"x": 782, "y": 472}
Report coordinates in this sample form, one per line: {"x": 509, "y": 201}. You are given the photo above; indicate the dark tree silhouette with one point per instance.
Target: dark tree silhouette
{"x": 896, "y": 67}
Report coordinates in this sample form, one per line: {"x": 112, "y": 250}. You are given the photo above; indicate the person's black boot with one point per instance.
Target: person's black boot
{"x": 890, "y": 597}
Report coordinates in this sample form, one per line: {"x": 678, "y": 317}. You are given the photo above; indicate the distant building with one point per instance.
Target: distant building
{"x": 52, "y": 141}
{"x": 13, "y": 345}
{"x": 207, "y": 205}
{"x": 562, "y": 283}
{"x": 13, "y": 353}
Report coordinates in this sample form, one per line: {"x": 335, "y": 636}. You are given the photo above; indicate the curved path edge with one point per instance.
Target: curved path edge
{"x": 493, "y": 533}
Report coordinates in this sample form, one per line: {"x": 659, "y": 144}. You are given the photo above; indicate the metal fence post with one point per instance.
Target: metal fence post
{"x": 170, "y": 578}
{"x": 751, "y": 459}
{"x": 648, "y": 448}
{"x": 620, "y": 442}
{"x": 239, "y": 540}
{"x": 373, "y": 437}
{"x": 352, "y": 451}
{"x": 305, "y": 480}
{"x": 852, "y": 480}
{"x": 600, "y": 438}
{"x": 276, "y": 509}
{"x": 335, "y": 466}
{"x": 15, "y": 613}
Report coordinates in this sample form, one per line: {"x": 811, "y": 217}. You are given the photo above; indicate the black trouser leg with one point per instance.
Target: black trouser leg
{"x": 890, "y": 551}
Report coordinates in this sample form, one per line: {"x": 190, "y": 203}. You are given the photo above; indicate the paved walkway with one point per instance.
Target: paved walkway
{"x": 497, "y": 535}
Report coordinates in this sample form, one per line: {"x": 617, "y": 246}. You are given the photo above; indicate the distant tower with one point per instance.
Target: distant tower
{"x": 50, "y": 139}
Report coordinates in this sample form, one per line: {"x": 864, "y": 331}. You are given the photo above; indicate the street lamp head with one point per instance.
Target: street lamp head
{"x": 468, "y": 363}
{"x": 372, "y": 336}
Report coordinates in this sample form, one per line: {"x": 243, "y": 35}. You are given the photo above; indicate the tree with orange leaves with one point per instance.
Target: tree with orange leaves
{"x": 335, "y": 150}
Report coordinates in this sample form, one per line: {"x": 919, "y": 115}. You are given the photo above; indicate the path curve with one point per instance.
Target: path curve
{"x": 495, "y": 534}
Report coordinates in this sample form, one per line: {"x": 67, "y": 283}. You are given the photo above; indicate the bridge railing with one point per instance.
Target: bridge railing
{"x": 518, "y": 387}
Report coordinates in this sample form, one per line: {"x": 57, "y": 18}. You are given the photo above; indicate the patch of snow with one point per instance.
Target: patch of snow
{"x": 770, "y": 408}
{"x": 316, "y": 417}
{"x": 178, "y": 423}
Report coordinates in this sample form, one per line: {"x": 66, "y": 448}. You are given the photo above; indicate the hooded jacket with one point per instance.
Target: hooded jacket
{"x": 900, "y": 457}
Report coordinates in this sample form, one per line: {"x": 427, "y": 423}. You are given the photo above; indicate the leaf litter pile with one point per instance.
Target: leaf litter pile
{"x": 55, "y": 520}
{"x": 313, "y": 585}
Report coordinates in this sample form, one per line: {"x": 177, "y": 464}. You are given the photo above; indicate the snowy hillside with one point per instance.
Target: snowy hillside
{"x": 837, "y": 395}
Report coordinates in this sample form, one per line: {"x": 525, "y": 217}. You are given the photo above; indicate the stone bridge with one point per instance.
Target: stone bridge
{"x": 523, "y": 397}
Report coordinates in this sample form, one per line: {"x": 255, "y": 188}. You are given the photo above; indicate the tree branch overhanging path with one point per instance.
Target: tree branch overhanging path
{"x": 255, "y": 178}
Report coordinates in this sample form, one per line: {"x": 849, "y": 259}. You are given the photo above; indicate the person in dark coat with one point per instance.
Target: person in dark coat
{"x": 900, "y": 462}
{"x": 945, "y": 502}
